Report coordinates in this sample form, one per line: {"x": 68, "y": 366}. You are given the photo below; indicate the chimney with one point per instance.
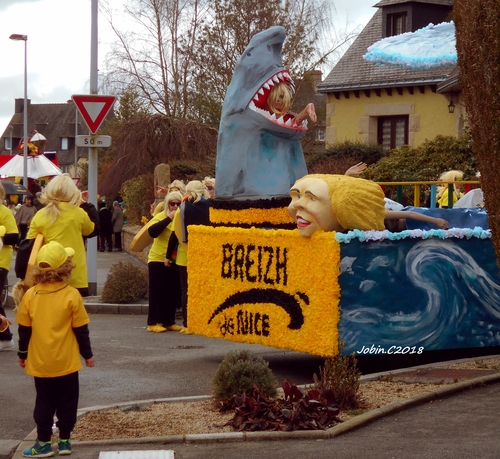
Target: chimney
{"x": 317, "y": 78}
{"x": 19, "y": 105}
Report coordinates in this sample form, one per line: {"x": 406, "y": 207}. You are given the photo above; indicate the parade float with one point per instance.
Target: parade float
{"x": 256, "y": 276}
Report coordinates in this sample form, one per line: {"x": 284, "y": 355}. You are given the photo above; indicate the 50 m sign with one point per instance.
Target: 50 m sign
{"x": 93, "y": 141}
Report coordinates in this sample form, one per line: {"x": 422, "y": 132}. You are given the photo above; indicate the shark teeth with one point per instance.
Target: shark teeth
{"x": 280, "y": 77}
{"x": 272, "y": 117}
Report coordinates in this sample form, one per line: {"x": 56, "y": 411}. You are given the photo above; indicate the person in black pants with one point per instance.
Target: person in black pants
{"x": 117, "y": 221}
{"x": 106, "y": 229}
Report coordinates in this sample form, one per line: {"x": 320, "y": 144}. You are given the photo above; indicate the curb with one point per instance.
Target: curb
{"x": 114, "y": 308}
{"x": 347, "y": 426}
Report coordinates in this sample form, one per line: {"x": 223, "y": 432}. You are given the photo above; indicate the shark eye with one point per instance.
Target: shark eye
{"x": 249, "y": 54}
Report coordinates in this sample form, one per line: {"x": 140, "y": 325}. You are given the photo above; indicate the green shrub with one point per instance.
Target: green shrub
{"x": 126, "y": 283}
{"x": 237, "y": 374}
{"x": 340, "y": 374}
{"x": 338, "y": 158}
{"x": 137, "y": 194}
{"x": 424, "y": 163}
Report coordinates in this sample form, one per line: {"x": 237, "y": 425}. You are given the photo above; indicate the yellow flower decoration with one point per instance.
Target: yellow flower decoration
{"x": 269, "y": 287}
{"x": 144, "y": 220}
{"x": 253, "y": 216}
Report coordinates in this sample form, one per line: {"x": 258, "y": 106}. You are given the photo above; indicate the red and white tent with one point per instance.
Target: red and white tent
{"x": 38, "y": 166}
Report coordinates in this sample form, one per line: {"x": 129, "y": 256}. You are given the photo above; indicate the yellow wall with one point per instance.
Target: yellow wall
{"x": 355, "y": 119}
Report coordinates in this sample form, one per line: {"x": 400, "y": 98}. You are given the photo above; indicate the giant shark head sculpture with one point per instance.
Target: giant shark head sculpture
{"x": 258, "y": 155}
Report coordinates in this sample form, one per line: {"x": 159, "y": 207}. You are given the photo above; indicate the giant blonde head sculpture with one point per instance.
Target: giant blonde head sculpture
{"x": 322, "y": 202}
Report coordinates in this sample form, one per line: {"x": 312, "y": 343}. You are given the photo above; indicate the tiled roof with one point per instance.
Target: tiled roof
{"x": 352, "y": 72}
{"x": 52, "y": 120}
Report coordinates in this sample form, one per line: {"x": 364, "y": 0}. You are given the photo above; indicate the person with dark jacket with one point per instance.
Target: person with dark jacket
{"x": 106, "y": 232}
{"x": 117, "y": 221}
{"x": 24, "y": 216}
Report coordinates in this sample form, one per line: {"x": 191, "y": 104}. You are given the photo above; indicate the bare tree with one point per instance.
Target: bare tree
{"x": 154, "y": 56}
{"x": 179, "y": 55}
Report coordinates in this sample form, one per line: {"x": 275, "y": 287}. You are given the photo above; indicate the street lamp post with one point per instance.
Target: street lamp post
{"x": 24, "y": 38}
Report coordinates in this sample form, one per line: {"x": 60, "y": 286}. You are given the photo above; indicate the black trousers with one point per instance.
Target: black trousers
{"x": 6, "y": 335}
{"x": 56, "y": 396}
{"x": 183, "y": 276}
{"x": 164, "y": 293}
{"x": 118, "y": 240}
{"x": 103, "y": 240}
{"x": 23, "y": 231}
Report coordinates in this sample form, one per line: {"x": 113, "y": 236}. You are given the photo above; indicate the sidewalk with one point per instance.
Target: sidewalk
{"x": 105, "y": 260}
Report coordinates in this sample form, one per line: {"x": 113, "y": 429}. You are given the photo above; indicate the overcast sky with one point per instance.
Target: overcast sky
{"x": 59, "y": 47}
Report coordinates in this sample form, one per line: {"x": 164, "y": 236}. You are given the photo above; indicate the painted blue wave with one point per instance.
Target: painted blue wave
{"x": 431, "y": 293}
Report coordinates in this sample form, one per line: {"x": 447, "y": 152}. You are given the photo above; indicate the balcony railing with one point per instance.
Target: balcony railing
{"x": 433, "y": 186}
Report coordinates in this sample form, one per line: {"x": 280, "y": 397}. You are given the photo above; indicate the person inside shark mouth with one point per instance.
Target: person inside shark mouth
{"x": 274, "y": 99}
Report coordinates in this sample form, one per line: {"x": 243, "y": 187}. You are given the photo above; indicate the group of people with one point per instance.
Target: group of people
{"x": 111, "y": 222}
{"x": 183, "y": 205}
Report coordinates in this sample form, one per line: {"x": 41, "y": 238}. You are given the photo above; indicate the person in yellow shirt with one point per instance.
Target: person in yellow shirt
{"x": 194, "y": 210}
{"x": 66, "y": 220}
{"x": 53, "y": 333}
{"x": 442, "y": 191}
{"x": 8, "y": 238}
{"x": 164, "y": 283}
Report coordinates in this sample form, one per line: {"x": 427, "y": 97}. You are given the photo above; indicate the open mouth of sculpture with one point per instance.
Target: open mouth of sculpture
{"x": 259, "y": 101}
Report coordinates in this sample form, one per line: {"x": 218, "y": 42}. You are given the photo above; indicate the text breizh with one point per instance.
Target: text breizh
{"x": 255, "y": 263}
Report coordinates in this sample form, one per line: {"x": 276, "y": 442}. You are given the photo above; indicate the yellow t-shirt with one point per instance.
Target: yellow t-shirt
{"x": 159, "y": 248}
{"x": 443, "y": 200}
{"x": 182, "y": 258}
{"x": 7, "y": 220}
{"x": 71, "y": 225}
{"x": 52, "y": 311}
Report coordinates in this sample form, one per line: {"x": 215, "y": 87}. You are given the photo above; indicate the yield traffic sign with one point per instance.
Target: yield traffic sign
{"x": 93, "y": 108}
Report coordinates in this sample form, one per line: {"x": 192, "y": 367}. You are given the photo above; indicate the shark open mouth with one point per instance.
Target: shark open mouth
{"x": 258, "y": 102}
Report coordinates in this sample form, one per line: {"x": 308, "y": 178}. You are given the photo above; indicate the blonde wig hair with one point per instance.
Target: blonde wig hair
{"x": 449, "y": 176}
{"x": 195, "y": 190}
{"x": 2, "y": 194}
{"x": 60, "y": 189}
{"x": 209, "y": 181}
{"x": 356, "y": 203}
{"x": 172, "y": 196}
{"x": 280, "y": 89}
{"x": 18, "y": 291}
{"x": 179, "y": 184}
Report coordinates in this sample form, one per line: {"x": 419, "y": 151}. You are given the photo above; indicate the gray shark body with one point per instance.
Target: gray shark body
{"x": 258, "y": 156}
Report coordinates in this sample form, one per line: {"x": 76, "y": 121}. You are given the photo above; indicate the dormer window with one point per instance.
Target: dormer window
{"x": 64, "y": 143}
{"x": 396, "y": 24}
{"x": 400, "y": 16}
